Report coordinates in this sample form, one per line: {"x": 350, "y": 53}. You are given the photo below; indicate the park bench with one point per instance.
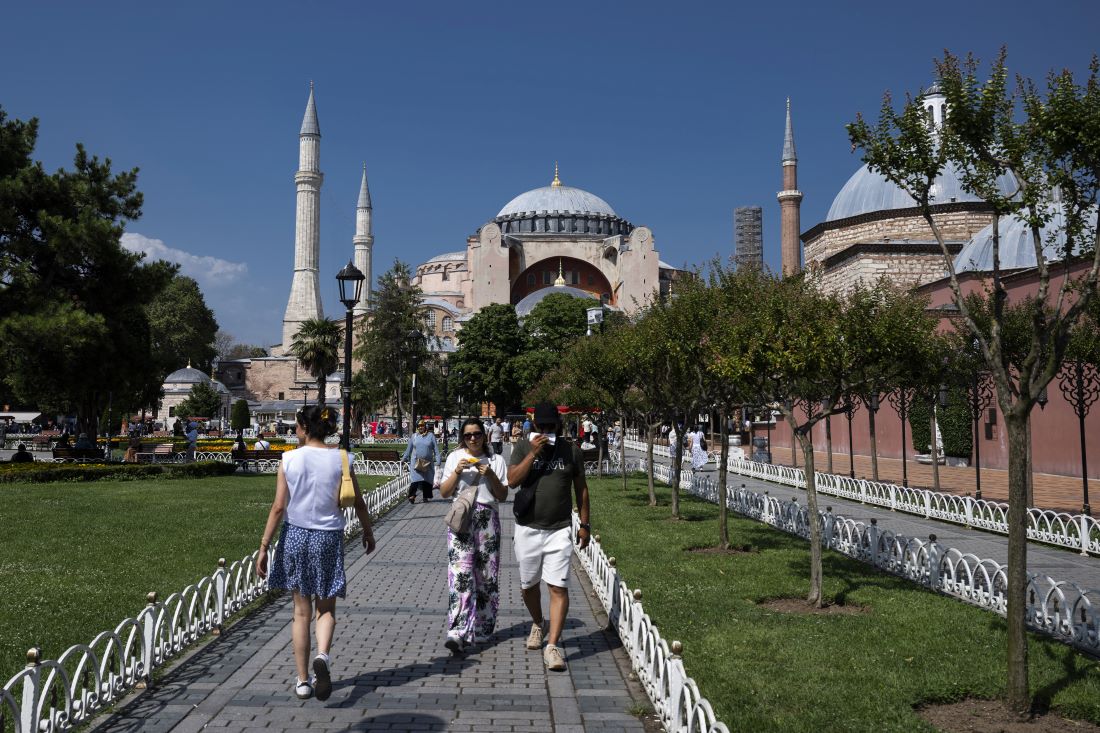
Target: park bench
{"x": 156, "y": 452}
{"x": 257, "y": 455}
{"x": 79, "y": 454}
{"x": 41, "y": 441}
{"x": 382, "y": 455}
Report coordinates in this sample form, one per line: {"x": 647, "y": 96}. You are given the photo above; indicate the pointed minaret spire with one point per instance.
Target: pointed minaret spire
{"x": 309, "y": 121}
{"x": 559, "y": 282}
{"x": 364, "y": 191}
{"x": 788, "y": 138}
{"x": 363, "y": 242}
{"x": 790, "y": 200}
{"x": 557, "y": 181}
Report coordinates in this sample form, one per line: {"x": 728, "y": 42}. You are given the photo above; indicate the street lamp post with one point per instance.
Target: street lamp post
{"x": 979, "y": 395}
{"x": 305, "y": 394}
{"x": 445, "y": 370}
{"x": 872, "y": 410}
{"x": 901, "y": 399}
{"x": 348, "y": 278}
{"x": 828, "y": 435}
{"x": 850, "y": 409}
{"x": 1080, "y": 385}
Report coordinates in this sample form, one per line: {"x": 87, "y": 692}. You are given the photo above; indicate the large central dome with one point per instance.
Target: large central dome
{"x": 557, "y": 198}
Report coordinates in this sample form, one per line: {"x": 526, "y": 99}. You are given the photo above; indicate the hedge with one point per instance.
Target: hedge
{"x": 42, "y": 473}
{"x": 954, "y": 421}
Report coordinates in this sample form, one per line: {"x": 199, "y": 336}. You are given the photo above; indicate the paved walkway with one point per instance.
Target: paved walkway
{"x": 1058, "y": 563}
{"x": 390, "y": 670}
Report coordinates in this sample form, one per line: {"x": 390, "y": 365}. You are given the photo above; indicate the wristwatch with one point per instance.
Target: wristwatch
{"x": 585, "y": 526}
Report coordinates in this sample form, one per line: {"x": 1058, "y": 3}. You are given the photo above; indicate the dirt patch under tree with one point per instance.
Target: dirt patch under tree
{"x": 799, "y": 605}
{"x": 991, "y": 716}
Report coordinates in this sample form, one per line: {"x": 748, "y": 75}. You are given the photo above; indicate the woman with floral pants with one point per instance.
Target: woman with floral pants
{"x": 473, "y": 557}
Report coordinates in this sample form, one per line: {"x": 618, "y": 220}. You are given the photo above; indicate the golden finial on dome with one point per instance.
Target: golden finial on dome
{"x": 556, "y": 181}
{"x": 560, "y": 282}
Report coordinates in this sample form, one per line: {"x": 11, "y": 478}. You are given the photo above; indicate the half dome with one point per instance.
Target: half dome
{"x": 1016, "y": 248}
{"x": 525, "y": 306}
{"x": 867, "y": 192}
{"x": 564, "y": 199}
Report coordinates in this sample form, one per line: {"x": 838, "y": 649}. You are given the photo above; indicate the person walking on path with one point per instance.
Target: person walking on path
{"x": 309, "y": 559}
{"x": 698, "y": 449}
{"x": 544, "y": 466}
{"x": 473, "y": 557}
{"x": 422, "y": 455}
{"x": 496, "y": 436}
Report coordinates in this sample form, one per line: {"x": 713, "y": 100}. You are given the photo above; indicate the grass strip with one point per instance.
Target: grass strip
{"x": 77, "y": 558}
{"x": 771, "y": 671}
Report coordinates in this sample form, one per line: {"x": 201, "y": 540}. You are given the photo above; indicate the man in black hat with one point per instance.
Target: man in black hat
{"x": 545, "y": 466}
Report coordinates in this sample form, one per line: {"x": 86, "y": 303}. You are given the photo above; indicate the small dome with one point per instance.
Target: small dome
{"x": 565, "y": 199}
{"x": 459, "y": 256}
{"x": 525, "y": 306}
{"x": 187, "y": 375}
{"x": 1016, "y": 248}
{"x": 219, "y": 387}
{"x": 866, "y": 192}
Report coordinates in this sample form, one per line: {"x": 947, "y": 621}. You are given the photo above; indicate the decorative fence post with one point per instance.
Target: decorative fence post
{"x": 676, "y": 677}
{"x": 933, "y": 562}
{"x": 219, "y": 596}
{"x": 969, "y": 504}
{"x": 1083, "y": 533}
{"x": 615, "y": 609}
{"x": 28, "y": 714}
{"x": 148, "y": 636}
{"x": 872, "y": 538}
{"x": 830, "y": 526}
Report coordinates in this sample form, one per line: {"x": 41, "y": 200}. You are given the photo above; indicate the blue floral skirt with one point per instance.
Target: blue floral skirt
{"x": 309, "y": 562}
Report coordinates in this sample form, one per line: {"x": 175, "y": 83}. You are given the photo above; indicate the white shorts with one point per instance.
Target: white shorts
{"x": 543, "y": 555}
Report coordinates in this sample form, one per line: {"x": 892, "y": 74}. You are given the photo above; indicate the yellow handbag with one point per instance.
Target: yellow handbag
{"x": 347, "y": 488}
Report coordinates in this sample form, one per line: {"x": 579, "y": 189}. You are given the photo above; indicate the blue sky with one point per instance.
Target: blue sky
{"x": 672, "y": 112}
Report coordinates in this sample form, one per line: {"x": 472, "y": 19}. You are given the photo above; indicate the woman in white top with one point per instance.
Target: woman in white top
{"x": 474, "y": 556}
{"x": 309, "y": 559}
{"x": 698, "y": 451}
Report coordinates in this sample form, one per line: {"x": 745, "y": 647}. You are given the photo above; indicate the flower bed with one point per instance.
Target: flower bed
{"x": 41, "y": 472}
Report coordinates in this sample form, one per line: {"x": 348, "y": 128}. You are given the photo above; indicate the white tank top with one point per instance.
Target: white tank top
{"x": 313, "y": 477}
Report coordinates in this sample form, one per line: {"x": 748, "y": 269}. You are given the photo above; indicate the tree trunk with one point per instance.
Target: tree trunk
{"x": 650, "y": 436}
{"x": 815, "y": 598}
{"x": 1017, "y": 693}
{"x": 874, "y": 444}
{"x": 1030, "y": 467}
{"x": 723, "y": 490}
{"x": 935, "y": 454}
{"x": 321, "y": 391}
{"x": 829, "y": 444}
{"x": 794, "y": 451}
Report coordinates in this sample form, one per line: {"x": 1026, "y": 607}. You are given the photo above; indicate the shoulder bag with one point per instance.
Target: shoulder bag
{"x": 347, "y": 488}
{"x": 462, "y": 508}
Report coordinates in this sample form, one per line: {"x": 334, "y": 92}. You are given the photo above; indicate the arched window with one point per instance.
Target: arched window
{"x": 448, "y": 324}
{"x": 431, "y": 320}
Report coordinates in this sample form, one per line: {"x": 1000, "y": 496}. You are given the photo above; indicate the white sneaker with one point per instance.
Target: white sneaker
{"x": 303, "y": 690}
{"x": 554, "y": 658}
{"x": 538, "y": 633}
{"x": 322, "y": 676}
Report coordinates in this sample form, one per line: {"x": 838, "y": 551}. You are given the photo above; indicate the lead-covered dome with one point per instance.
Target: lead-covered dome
{"x": 867, "y": 192}
{"x": 559, "y": 198}
{"x": 1017, "y": 250}
{"x": 187, "y": 375}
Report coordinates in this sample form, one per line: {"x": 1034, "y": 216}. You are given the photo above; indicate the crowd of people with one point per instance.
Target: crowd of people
{"x": 546, "y": 469}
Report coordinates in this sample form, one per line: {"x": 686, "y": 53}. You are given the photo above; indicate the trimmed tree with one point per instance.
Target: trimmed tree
{"x": 1050, "y": 145}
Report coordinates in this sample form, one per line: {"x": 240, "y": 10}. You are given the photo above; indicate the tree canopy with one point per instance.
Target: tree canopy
{"x": 317, "y": 347}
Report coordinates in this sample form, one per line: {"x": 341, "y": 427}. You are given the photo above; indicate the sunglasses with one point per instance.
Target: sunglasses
{"x": 473, "y": 436}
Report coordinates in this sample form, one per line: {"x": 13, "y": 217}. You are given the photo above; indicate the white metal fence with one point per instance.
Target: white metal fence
{"x": 59, "y": 694}
{"x": 1074, "y": 531}
{"x": 1061, "y": 609}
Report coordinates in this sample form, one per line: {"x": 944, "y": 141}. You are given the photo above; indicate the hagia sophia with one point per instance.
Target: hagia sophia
{"x": 560, "y": 238}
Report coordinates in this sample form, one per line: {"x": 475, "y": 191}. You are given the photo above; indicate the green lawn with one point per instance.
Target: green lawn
{"x": 77, "y": 558}
{"x": 767, "y": 671}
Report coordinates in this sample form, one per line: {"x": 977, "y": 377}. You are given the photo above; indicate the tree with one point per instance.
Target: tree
{"x": 317, "y": 347}
{"x": 482, "y": 368}
{"x": 391, "y": 344}
{"x": 1050, "y": 145}
{"x": 240, "y": 417}
{"x": 202, "y": 401}
{"x": 227, "y": 347}
{"x": 73, "y": 326}
{"x": 182, "y": 327}
{"x": 549, "y": 329}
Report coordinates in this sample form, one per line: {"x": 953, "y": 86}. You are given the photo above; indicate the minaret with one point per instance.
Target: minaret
{"x": 790, "y": 198}
{"x": 305, "y": 294}
{"x": 364, "y": 242}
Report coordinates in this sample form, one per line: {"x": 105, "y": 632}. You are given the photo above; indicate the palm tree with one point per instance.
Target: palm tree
{"x": 317, "y": 347}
